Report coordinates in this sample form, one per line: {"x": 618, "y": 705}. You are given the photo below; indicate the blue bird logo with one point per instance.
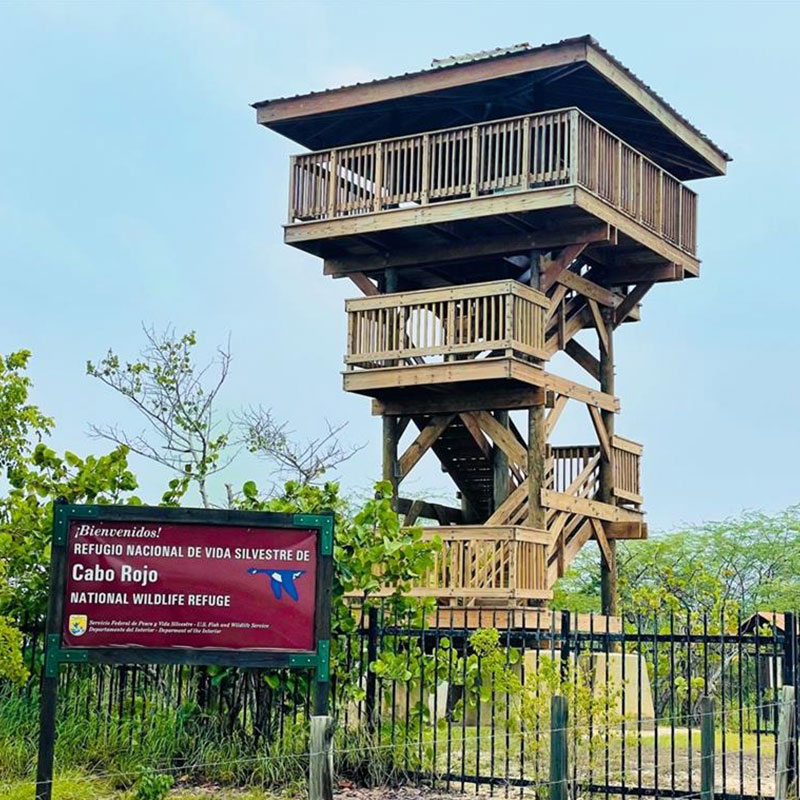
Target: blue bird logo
{"x": 281, "y": 580}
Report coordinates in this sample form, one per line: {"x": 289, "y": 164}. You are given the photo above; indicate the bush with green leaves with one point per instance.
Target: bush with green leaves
{"x": 153, "y": 785}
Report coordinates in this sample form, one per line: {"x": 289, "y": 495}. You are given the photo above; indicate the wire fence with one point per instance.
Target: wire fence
{"x": 416, "y": 700}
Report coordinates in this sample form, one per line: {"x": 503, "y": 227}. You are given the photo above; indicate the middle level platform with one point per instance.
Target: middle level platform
{"x": 476, "y": 344}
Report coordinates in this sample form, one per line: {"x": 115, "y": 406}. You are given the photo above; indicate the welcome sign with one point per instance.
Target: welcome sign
{"x": 144, "y": 584}
{"x": 147, "y": 585}
{"x": 189, "y": 585}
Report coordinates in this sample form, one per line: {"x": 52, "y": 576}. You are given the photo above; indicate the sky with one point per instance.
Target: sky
{"x": 136, "y": 188}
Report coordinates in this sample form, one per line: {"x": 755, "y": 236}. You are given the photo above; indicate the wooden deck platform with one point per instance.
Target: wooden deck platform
{"x": 486, "y": 182}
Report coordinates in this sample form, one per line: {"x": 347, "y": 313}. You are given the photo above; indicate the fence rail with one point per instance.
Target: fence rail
{"x": 553, "y": 148}
{"x": 417, "y": 699}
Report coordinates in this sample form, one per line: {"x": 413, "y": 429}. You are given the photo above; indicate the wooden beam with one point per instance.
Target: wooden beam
{"x": 553, "y": 269}
{"x": 555, "y": 302}
{"x": 468, "y": 250}
{"x": 433, "y": 214}
{"x": 578, "y": 353}
{"x": 600, "y": 535}
{"x": 366, "y": 286}
{"x": 587, "y": 508}
{"x": 516, "y": 499}
{"x": 502, "y": 437}
{"x": 412, "y": 515}
{"x": 392, "y": 378}
{"x": 579, "y": 539}
{"x": 428, "y": 435}
{"x": 536, "y": 466}
{"x": 630, "y": 227}
{"x": 576, "y": 323}
{"x": 631, "y": 300}
{"x": 471, "y": 424}
{"x": 626, "y": 274}
{"x": 600, "y": 430}
{"x": 555, "y": 413}
{"x": 589, "y": 289}
{"x": 599, "y": 323}
{"x": 445, "y": 515}
{"x": 626, "y": 530}
{"x": 581, "y": 393}
{"x": 501, "y": 475}
{"x": 390, "y": 467}
{"x": 415, "y": 402}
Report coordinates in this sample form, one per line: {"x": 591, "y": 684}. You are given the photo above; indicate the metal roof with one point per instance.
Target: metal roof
{"x": 454, "y": 63}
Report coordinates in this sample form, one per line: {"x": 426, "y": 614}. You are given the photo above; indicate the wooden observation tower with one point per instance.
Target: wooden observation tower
{"x": 489, "y": 209}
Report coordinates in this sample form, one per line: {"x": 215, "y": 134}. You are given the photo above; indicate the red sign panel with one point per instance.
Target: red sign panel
{"x": 163, "y": 585}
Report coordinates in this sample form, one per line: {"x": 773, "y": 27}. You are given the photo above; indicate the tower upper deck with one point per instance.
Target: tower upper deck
{"x": 494, "y": 153}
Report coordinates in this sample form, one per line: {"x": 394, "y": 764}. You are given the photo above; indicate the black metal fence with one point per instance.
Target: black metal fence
{"x": 419, "y": 698}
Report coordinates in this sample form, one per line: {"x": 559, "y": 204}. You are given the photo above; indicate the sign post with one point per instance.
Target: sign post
{"x": 147, "y": 585}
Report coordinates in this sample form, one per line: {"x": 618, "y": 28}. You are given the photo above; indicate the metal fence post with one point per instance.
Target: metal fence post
{"x": 706, "y": 709}
{"x": 371, "y": 677}
{"x": 784, "y": 778}
{"x": 558, "y": 747}
{"x": 790, "y": 679}
{"x": 565, "y": 645}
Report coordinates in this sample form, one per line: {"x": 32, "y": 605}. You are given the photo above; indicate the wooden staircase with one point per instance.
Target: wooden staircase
{"x": 574, "y": 516}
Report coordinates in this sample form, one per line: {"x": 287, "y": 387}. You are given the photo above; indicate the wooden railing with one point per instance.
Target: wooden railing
{"x": 575, "y": 470}
{"x": 553, "y": 148}
{"x": 488, "y": 562}
{"x": 627, "y": 471}
{"x": 445, "y": 324}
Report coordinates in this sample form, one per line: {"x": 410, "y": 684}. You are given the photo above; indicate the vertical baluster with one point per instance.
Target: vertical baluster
{"x": 558, "y": 147}
{"x": 426, "y": 169}
{"x": 332, "y": 184}
{"x": 473, "y": 181}
{"x": 573, "y": 146}
{"x": 377, "y": 179}
{"x": 596, "y": 128}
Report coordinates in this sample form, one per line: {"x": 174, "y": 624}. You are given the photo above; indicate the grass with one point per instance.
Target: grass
{"x": 182, "y": 741}
{"x": 80, "y": 786}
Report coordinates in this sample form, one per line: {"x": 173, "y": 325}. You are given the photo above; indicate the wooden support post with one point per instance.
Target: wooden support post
{"x": 558, "y": 748}
{"x": 537, "y": 439}
{"x": 786, "y": 736}
{"x": 608, "y": 566}
{"x": 320, "y": 777}
{"x": 537, "y": 432}
{"x": 706, "y": 709}
{"x": 390, "y": 440}
{"x": 500, "y": 479}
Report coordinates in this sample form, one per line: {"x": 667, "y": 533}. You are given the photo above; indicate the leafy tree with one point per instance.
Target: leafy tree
{"x": 185, "y": 429}
{"x": 20, "y": 422}
{"x": 177, "y": 400}
{"x": 36, "y": 476}
{"x": 748, "y": 563}
{"x": 302, "y": 462}
{"x": 374, "y": 535}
